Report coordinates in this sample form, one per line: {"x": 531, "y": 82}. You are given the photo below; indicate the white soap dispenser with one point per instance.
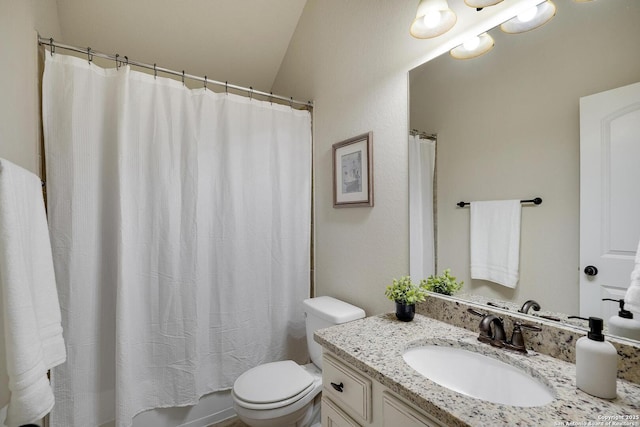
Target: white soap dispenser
{"x": 623, "y": 325}
{"x": 596, "y": 362}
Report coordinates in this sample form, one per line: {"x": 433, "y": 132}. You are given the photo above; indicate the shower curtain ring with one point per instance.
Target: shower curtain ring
{"x": 205, "y": 82}
{"x": 89, "y": 55}
{"x": 291, "y": 102}
{"x": 271, "y": 97}
{"x": 155, "y": 72}
{"x": 117, "y": 61}
{"x": 250, "y": 93}
{"x": 182, "y": 77}
{"x": 226, "y": 87}
{"x": 126, "y": 58}
{"x": 52, "y": 48}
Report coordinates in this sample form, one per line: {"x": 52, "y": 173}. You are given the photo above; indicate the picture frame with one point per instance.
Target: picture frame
{"x": 353, "y": 172}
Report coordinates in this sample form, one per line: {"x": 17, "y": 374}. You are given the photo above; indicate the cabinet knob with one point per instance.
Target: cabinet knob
{"x": 591, "y": 270}
{"x": 337, "y": 387}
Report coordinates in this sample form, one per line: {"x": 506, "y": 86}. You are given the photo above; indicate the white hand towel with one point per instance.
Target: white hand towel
{"x": 495, "y": 241}
{"x": 632, "y": 297}
{"x": 32, "y": 329}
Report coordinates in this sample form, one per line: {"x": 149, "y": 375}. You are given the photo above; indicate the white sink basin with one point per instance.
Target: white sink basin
{"x": 479, "y": 376}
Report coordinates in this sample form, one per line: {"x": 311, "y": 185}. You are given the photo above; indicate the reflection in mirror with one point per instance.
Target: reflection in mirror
{"x": 527, "y": 307}
{"x": 507, "y": 125}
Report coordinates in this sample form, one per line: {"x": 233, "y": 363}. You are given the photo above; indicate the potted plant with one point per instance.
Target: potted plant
{"x": 405, "y": 294}
{"x": 445, "y": 283}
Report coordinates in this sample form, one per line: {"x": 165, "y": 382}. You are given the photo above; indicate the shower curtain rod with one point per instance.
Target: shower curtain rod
{"x": 125, "y": 60}
{"x": 423, "y": 135}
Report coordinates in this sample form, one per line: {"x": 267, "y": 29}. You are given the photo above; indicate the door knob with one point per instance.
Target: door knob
{"x": 590, "y": 270}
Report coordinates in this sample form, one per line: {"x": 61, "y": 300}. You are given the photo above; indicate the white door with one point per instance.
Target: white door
{"x": 609, "y": 196}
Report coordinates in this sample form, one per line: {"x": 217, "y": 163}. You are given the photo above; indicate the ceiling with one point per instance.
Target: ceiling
{"x": 242, "y": 42}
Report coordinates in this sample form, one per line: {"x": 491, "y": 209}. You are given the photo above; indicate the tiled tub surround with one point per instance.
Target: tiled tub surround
{"x": 374, "y": 345}
{"x": 555, "y": 339}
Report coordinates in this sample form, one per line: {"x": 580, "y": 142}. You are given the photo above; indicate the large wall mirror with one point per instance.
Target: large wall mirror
{"x": 508, "y": 127}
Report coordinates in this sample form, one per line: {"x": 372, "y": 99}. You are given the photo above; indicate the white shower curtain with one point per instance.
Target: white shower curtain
{"x": 180, "y": 226}
{"x": 422, "y": 160}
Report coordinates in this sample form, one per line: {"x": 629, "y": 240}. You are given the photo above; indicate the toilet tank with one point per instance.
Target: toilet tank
{"x": 322, "y": 312}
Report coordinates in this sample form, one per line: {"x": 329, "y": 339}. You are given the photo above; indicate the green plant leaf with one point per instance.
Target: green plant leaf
{"x": 445, "y": 283}
{"x": 404, "y": 291}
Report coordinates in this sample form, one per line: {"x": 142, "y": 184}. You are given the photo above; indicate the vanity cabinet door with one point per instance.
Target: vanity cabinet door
{"x": 396, "y": 413}
{"x": 333, "y": 416}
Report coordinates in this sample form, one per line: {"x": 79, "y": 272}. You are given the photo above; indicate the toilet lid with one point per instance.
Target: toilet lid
{"x": 272, "y": 382}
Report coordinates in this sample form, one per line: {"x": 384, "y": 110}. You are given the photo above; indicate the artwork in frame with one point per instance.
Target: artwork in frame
{"x": 353, "y": 172}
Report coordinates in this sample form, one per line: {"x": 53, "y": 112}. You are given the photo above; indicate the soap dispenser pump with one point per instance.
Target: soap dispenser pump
{"x": 596, "y": 362}
{"x": 623, "y": 325}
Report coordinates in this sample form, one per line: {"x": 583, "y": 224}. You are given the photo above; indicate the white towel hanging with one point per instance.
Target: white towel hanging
{"x": 495, "y": 241}
{"x": 32, "y": 330}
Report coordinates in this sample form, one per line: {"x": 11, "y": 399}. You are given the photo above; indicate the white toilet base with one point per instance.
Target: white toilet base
{"x": 303, "y": 417}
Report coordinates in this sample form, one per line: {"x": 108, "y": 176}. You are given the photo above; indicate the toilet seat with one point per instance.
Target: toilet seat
{"x": 273, "y": 385}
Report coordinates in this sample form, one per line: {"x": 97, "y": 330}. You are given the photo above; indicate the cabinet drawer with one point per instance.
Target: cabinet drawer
{"x": 352, "y": 390}
{"x": 332, "y": 415}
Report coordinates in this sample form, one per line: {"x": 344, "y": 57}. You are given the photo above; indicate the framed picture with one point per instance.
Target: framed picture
{"x": 353, "y": 172}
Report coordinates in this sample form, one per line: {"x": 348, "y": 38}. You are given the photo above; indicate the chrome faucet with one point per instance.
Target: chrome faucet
{"x": 529, "y": 304}
{"x": 492, "y": 332}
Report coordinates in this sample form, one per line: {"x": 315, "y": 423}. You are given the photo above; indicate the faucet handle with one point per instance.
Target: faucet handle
{"x": 517, "y": 339}
{"x": 527, "y": 326}
{"x": 475, "y": 312}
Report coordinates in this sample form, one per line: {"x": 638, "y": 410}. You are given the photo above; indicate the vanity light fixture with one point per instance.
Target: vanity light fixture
{"x": 433, "y": 19}
{"x": 479, "y": 4}
{"x": 474, "y": 47}
{"x": 530, "y": 18}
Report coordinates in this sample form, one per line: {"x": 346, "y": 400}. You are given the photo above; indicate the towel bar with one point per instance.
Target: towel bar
{"x": 535, "y": 201}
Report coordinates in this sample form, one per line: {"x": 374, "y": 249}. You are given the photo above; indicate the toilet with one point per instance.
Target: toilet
{"x": 286, "y": 394}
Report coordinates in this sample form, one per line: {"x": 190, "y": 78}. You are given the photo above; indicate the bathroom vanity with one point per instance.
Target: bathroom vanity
{"x": 354, "y": 399}
{"x": 366, "y": 381}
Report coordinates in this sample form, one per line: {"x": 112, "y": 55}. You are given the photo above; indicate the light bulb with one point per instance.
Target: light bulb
{"x": 472, "y": 43}
{"x": 528, "y": 14}
{"x": 431, "y": 19}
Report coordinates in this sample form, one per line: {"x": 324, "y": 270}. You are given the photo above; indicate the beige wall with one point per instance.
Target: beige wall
{"x": 508, "y": 128}
{"x": 19, "y": 100}
{"x": 19, "y": 95}
{"x": 353, "y": 60}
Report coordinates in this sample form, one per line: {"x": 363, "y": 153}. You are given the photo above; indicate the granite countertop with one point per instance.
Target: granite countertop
{"x": 374, "y": 345}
